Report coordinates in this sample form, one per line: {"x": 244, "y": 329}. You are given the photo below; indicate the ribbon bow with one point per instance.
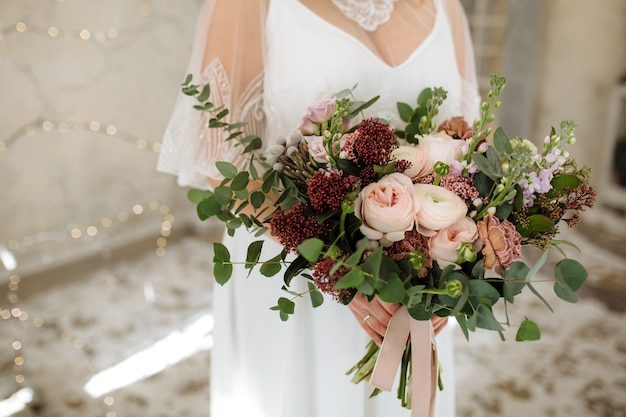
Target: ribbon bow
{"x": 423, "y": 359}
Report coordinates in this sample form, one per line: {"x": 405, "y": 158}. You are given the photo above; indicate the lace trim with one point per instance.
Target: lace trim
{"x": 212, "y": 146}
{"x": 369, "y": 14}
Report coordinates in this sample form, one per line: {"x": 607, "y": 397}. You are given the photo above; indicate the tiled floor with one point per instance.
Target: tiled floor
{"x": 122, "y": 309}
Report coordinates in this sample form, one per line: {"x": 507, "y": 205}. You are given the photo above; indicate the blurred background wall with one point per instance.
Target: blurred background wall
{"x": 87, "y": 89}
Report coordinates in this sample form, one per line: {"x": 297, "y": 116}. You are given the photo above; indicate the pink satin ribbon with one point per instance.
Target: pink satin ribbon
{"x": 423, "y": 360}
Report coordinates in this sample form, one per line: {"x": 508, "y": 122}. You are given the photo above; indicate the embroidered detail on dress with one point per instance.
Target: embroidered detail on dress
{"x": 369, "y": 14}
{"x": 212, "y": 146}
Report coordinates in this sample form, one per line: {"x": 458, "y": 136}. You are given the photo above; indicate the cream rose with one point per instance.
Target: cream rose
{"x": 441, "y": 147}
{"x": 438, "y": 208}
{"x": 444, "y": 246}
{"x": 421, "y": 163}
{"x": 387, "y": 208}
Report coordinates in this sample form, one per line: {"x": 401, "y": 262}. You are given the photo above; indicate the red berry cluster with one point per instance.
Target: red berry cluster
{"x": 294, "y": 227}
{"x": 328, "y": 189}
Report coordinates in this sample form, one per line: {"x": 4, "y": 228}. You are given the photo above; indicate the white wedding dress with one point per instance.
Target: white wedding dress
{"x": 261, "y": 366}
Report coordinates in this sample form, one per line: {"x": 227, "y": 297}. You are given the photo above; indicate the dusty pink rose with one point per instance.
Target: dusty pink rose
{"x": 317, "y": 150}
{"x": 444, "y": 246}
{"x": 387, "y": 208}
{"x": 441, "y": 147}
{"x": 421, "y": 163}
{"x": 438, "y": 208}
{"x": 316, "y": 115}
{"x": 502, "y": 243}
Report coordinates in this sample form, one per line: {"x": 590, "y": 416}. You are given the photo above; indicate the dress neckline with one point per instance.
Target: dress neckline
{"x": 375, "y": 56}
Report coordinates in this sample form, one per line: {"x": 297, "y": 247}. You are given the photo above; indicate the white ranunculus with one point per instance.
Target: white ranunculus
{"x": 438, "y": 208}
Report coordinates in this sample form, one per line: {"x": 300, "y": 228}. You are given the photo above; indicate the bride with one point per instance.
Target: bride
{"x": 267, "y": 61}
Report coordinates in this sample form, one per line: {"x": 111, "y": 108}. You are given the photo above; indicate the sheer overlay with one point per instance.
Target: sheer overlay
{"x": 267, "y": 62}
{"x": 228, "y": 53}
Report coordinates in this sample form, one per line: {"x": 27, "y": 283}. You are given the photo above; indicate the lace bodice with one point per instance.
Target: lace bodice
{"x": 369, "y": 14}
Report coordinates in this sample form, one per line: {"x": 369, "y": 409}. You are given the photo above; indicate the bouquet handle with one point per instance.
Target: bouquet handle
{"x": 423, "y": 360}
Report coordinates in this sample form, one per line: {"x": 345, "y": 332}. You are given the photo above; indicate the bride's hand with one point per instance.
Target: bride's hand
{"x": 373, "y": 316}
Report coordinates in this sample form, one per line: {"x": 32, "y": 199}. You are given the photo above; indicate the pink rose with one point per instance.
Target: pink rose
{"x": 317, "y": 150}
{"x": 441, "y": 147}
{"x": 317, "y": 114}
{"x": 387, "y": 208}
{"x": 444, "y": 246}
{"x": 438, "y": 208}
{"x": 421, "y": 163}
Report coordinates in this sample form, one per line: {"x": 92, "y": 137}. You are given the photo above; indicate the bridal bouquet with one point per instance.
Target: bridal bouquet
{"x": 429, "y": 216}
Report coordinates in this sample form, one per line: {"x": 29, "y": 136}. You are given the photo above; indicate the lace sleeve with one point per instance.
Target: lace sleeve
{"x": 227, "y": 54}
{"x": 465, "y": 59}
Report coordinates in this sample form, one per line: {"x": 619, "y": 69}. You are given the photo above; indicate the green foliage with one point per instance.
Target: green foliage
{"x": 528, "y": 331}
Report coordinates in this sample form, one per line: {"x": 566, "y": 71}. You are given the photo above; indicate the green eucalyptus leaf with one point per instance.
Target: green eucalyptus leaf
{"x": 222, "y": 271}
{"x": 257, "y": 198}
{"x": 196, "y": 196}
{"x": 571, "y": 273}
{"x": 286, "y": 305}
{"x": 373, "y": 263}
{"x": 486, "y": 320}
{"x": 486, "y": 166}
{"x": 424, "y": 96}
{"x": 295, "y": 267}
{"x": 223, "y": 195}
{"x": 528, "y": 331}
{"x": 514, "y": 280}
{"x": 253, "y": 253}
{"x": 567, "y": 181}
{"x": 504, "y": 211}
{"x": 480, "y": 290}
{"x": 502, "y": 142}
{"x": 240, "y": 182}
{"x": 227, "y": 169}
{"x": 255, "y": 144}
{"x": 565, "y": 293}
{"x": 422, "y": 311}
{"x": 220, "y": 251}
{"x": 271, "y": 267}
{"x": 351, "y": 279}
{"x": 206, "y": 92}
{"x": 405, "y": 111}
{"x": 317, "y": 298}
{"x": 209, "y": 207}
{"x": 483, "y": 184}
{"x": 393, "y": 290}
{"x": 269, "y": 178}
{"x": 311, "y": 249}
{"x": 537, "y": 223}
{"x": 462, "y": 321}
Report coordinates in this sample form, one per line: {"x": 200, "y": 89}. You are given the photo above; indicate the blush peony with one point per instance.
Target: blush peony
{"x": 387, "y": 208}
